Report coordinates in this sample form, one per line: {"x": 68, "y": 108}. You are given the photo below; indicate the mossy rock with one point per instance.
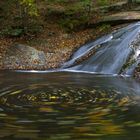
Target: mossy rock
{"x": 137, "y": 72}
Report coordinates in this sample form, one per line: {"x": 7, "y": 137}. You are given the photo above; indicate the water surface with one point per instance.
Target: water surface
{"x": 65, "y": 106}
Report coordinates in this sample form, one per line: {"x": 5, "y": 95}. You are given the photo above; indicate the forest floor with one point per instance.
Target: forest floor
{"x": 57, "y": 44}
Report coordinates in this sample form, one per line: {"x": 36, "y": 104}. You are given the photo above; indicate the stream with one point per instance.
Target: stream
{"x": 66, "y": 105}
{"x": 93, "y": 96}
{"x": 115, "y": 53}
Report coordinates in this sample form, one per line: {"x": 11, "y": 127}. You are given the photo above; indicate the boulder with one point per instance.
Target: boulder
{"x": 23, "y": 57}
{"x": 117, "y": 18}
{"x": 137, "y": 72}
{"x": 123, "y": 16}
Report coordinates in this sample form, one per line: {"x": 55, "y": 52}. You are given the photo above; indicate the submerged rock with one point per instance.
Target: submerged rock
{"x": 23, "y": 57}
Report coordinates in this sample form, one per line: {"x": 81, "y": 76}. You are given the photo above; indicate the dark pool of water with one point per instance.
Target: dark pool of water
{"x": 65, "y": 106}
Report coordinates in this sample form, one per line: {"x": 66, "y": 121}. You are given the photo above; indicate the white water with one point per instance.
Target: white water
{"x": 114, "y": 51}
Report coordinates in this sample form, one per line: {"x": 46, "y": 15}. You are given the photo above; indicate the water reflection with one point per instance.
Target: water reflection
{"x": 65, "y": 106}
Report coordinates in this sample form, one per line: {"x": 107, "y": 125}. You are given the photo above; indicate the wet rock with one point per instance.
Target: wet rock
{"x": 23, "y": 57}
{"x": 137, "y": 72}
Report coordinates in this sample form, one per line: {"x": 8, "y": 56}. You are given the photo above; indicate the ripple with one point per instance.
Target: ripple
{"x": 36, "y": 95}
{"x": 68, "y": 106}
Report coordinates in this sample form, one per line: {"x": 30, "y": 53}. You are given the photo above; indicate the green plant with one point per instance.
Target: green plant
{"x": 29, "y": 7}
{"x": 104, "y": 27}
{"x": 11, "y": 32}
{"x": 102, "y": 2}
{"x": 70, "y": 24}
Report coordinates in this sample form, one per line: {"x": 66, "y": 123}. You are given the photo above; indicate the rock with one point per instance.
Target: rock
{"x": 122, "y": 16}
{"x": 137, "y": 72}
{"x": 118, "y": 18}
{"x": 23, "y": 57}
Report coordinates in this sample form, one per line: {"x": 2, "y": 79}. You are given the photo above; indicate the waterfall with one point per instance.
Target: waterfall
{"x": 108, "y": 54}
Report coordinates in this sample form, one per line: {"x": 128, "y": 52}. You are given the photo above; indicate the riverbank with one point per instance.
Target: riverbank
{"x": 57, "y": 45}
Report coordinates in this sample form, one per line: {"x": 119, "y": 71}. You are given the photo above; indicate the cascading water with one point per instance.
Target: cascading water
{"x": 110, "y": 53}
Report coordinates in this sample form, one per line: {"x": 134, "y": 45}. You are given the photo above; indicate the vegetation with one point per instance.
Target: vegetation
{"x": 28, "y": 17}
{"x": 20, "y": 17}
